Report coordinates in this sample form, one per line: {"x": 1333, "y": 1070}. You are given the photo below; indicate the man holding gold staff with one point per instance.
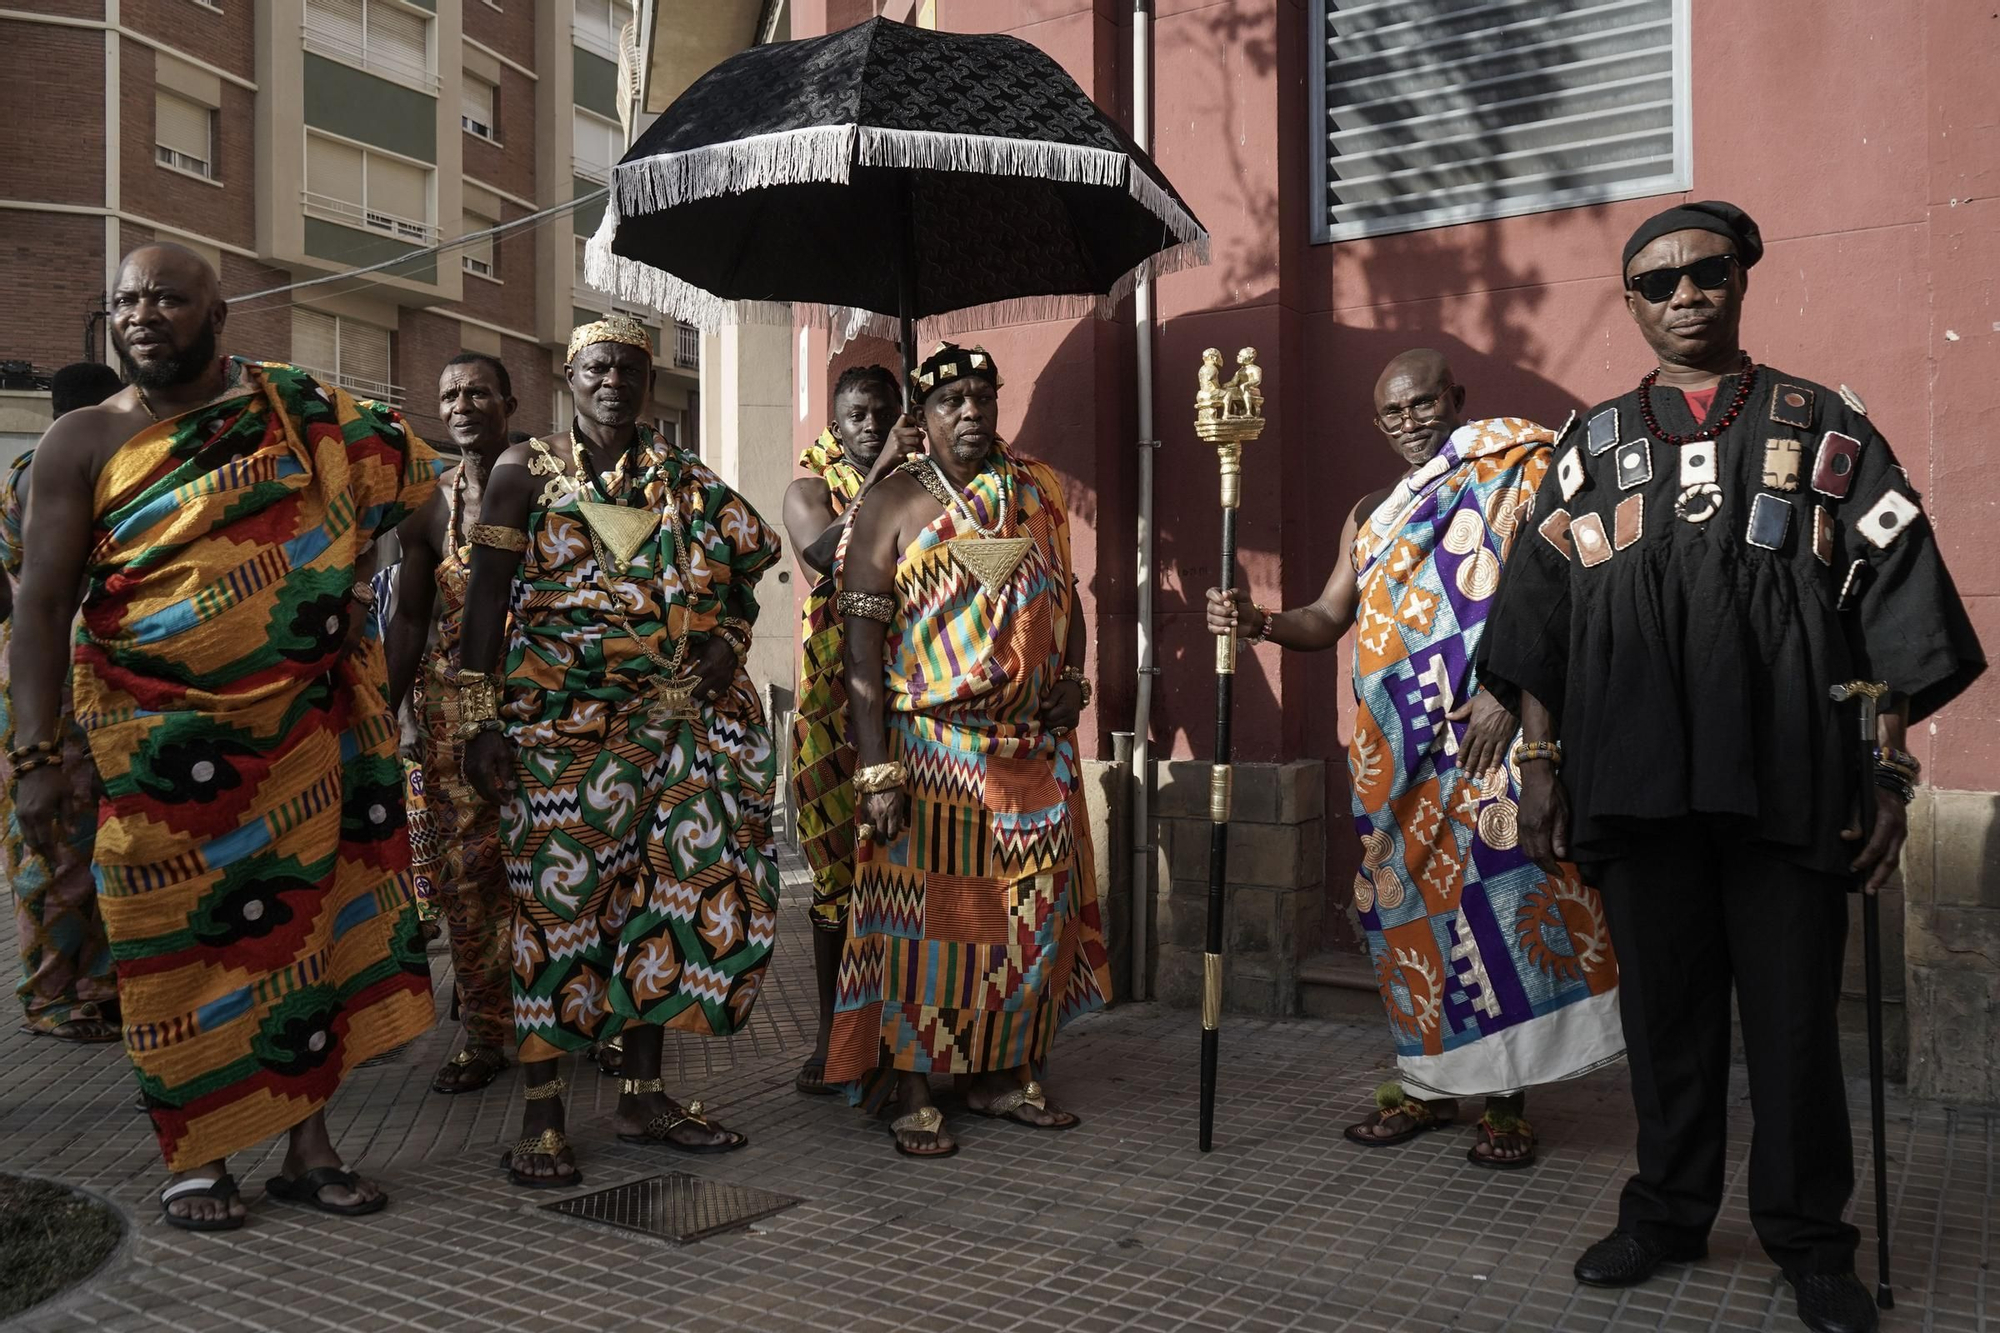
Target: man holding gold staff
{"x": 973, "y": 927}
{"x": 618, "y": 732}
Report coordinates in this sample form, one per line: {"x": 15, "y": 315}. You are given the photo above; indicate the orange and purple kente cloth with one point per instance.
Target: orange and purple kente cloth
{"x": 1495, "y": 975}
{"x": 251, "y": 858}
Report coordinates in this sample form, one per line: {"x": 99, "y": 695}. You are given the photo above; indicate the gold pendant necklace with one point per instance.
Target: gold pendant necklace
{"x": 989, "y": 557}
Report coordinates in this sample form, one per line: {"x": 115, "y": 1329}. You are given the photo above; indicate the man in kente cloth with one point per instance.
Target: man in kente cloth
{"x": 475, "y": 400}
{"x": 251, "y": 860}
{"x": 1496, "y": 974}
{"x": 631, "y": 761}
{"x": 1712, "y": 552}
{"x": 67, "y": 984}
{"x": 973, "y": 927}
{"x": 859, "y": 448}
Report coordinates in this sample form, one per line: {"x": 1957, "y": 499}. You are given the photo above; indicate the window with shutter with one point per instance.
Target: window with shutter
{"x": 384, "y": 37}
{"x": 596, "y": 146}
{"x": 183, "y": 134}
{"x": 1435, "y": 112}
{"x": 598, "y": 23}
{"x": 334, "y": 171}
{"x": 476, "y": 102}
{"x": 315, "y": 341}
{"x": 399, "y": 197}
{"x": 477, "y": 256}
{"x": 344, "y": 351}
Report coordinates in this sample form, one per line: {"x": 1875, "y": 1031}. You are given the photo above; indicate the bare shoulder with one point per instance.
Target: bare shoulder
{"x": 1367, "y": 505}
{"x": 87, "y": 437}
{"x": 514, "y": 455}
{"x": 810, "y": 490}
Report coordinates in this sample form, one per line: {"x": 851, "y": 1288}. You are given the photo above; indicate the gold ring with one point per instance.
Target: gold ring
{"x": 864, "y": 831}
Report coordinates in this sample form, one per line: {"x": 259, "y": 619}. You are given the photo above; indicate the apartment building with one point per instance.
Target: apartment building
{"x": 290, "y": 141}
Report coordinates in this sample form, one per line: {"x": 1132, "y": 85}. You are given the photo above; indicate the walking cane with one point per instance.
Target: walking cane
{"x": 1868, "y": 694}
{"x": 1228, "y": 414}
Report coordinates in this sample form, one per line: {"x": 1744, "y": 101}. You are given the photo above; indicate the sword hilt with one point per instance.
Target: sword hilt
{"x": 1870, "y": 693}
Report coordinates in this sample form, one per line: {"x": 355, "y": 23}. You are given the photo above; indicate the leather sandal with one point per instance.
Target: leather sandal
{"x": 661, "y": 1127}
{"x": 924, "y": 1120}
{"x": 1390, "y": 1102}
{"x": 1028, "y": 1094}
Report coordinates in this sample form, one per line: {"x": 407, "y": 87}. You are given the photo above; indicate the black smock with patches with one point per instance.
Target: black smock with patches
{"x": 1688, "y": 665}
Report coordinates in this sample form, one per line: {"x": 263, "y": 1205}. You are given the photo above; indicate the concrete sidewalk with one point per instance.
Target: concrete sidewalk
{"x": 1120, "y": 1224}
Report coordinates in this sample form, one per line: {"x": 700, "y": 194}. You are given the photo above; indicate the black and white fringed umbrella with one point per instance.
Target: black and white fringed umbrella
{"x": 887, "y": 174}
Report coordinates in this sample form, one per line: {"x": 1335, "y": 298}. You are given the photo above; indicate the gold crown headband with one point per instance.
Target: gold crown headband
{"x": 610, "y": 329}
{"x": 952, "y": 362}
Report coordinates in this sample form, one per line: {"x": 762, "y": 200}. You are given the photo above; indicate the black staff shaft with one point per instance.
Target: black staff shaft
{"x": 1871, "y": 966}
{"x": 1218, "y": 851}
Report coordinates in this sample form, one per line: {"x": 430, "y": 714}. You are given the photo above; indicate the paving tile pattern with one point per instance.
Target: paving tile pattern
{"x": 1120, "y": 1224}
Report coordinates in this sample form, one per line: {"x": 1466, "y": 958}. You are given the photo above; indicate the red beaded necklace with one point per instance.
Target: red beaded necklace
{"x": 1745, "y": 368}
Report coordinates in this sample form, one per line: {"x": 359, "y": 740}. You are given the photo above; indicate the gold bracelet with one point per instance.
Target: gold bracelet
{"x": 875, "y": 778}
{"x": 478, "y": 701}
{"x": 497, "y": 537}
{"x": 468, "y": 730}
{"x": 1075, "y": 676}
{"x": 736, "y": 633}
{"x": 868, "y": 605}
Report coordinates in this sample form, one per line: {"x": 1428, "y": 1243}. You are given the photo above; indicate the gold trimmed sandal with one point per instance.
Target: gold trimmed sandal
{"x": 661, "y": 1127}
{"x": 924, "y": 1120}
{"x": 1028, "y": 1094}
{"x": 550, "y": 1143}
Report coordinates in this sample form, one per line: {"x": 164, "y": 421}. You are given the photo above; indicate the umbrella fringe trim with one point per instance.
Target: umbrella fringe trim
{"x": 828, "y": 153}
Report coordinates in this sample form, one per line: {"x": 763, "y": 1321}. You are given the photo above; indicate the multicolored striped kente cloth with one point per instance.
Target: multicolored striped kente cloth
{"x": 1495, "y": 975}
{"x": 66, "y": 971}
{"x": 251, "y": 853}
{"x": 638, "y": 846}
{"x": 975, "y": 936}
{"x": 822, "y": 760}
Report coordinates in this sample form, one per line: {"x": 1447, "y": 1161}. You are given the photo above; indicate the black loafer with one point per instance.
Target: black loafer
{"x": 1833, "y": 1302}
{"x": 1626, "y": 1258}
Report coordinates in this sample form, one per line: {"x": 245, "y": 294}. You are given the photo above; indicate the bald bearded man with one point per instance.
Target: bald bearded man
{"x": 1495, "y": 974}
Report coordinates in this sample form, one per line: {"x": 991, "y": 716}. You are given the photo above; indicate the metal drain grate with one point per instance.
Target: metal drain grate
{"x": 681, "y": 1207}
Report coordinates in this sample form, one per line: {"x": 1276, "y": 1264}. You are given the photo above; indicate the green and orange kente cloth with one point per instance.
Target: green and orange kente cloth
{"x": 638, "y": 845}
{"x": 975, "y": 936}
{"x": 822, "y": 760}
{"x": 251, "y": 856}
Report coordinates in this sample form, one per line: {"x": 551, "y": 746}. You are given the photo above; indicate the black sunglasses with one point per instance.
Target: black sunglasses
{"x": 1658, "y": 284}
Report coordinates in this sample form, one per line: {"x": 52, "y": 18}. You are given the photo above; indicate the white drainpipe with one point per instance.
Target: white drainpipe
{"x": 1142, "y": 708}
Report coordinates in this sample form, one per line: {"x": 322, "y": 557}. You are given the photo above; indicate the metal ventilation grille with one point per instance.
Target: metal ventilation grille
{"x": 1444, "y": 111}
{"x": 681, "y": 1207}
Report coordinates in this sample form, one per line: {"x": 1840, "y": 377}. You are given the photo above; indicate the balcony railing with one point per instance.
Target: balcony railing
{"x": 326, "y": 207}
{"x": 687, "y": 347}
{"x": 380, "y": 391}
{"x": 590, "y": 171}
{"x": 391, "y": 65}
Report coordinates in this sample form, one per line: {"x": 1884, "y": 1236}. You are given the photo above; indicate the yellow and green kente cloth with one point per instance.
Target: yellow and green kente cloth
{"x": 822, "y": 760}
{"x": 251, "y": 858}
{"x": 638, "y": 846}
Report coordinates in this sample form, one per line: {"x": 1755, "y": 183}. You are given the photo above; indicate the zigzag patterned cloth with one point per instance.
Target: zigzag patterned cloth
{"x": 1495, "y": 976}
{"x": 822, "y": 760}
{"x": 638, "y": 847}
{"x": 252, "y": 863}
{"x": 975, "y": 936}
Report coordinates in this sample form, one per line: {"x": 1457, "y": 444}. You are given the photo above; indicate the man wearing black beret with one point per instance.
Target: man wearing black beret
{"x": 1711, "y": 552}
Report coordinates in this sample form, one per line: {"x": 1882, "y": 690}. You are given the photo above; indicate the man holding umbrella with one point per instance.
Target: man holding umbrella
{"x": 1711, "y": 553}
{"x": 973, "y": 930}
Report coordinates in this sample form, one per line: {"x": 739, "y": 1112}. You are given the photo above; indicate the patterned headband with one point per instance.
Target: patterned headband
{"x": 952, "y": 362}
{"x": 610, "y": 329}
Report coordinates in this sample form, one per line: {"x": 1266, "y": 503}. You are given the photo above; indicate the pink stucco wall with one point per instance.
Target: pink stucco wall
{"x": 1865, "y": 139}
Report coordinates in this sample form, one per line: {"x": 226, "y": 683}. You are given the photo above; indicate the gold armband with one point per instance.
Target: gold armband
{"x": 868, "y": 605}
{"x": 1075, "y": 676}
{"x": 880, "y": 777}
{"x": 497, "y": 537}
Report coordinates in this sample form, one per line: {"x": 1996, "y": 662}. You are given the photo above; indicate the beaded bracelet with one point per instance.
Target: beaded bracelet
{"x": 1527, "y": 752}
{"x": 27, "y": 753}
{"x": 1898, "y": 761}
{"x": 878, "y": 606}
{"x": 53, "y": 759}
{"x": 1270, "y": 618}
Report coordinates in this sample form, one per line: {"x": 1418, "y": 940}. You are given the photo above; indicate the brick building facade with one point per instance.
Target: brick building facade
{"x": 292, "y": 140}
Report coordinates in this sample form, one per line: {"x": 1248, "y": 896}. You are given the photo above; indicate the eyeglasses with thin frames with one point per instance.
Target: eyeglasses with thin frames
{"x": 1656, "y": 285}
{"x": 1416, "y": 412}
